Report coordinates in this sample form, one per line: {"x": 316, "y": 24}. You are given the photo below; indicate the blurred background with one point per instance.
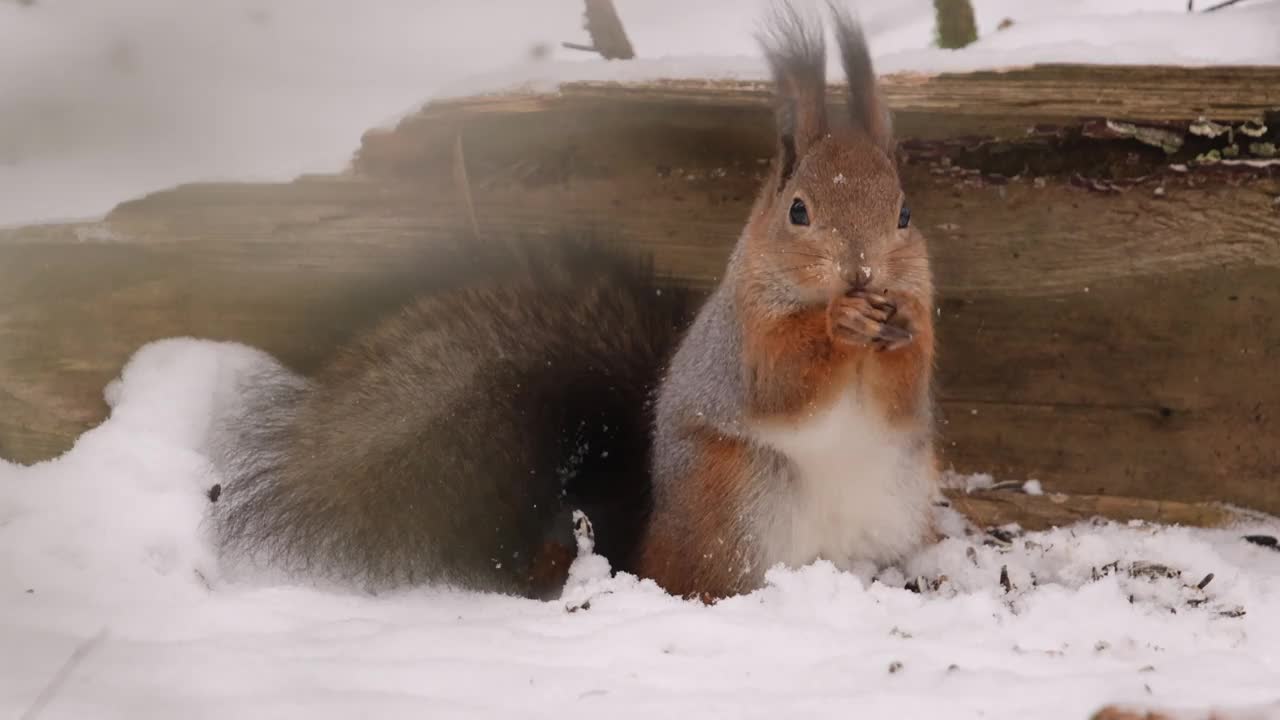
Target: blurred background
{"x": 104, "y": 100}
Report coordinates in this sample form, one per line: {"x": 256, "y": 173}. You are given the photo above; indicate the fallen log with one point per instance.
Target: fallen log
{"x": 1107, "y": 287}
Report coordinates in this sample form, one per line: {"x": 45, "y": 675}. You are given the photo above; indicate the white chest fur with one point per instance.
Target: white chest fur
{"x": 859, "y": 490}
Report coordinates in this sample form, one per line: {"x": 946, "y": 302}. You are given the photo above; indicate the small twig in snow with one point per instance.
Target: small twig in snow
{"x": 203, "y": 580}
{"x": 1266, "y": 541}
{"x": 1001, "y": 535}
{"x": 584, "y": 533}
{"x": 56, "y": 682}
{"x": 1002, "y": 485}
{"x": 1152, "y": 571}
{"x": 1219, "y": 6}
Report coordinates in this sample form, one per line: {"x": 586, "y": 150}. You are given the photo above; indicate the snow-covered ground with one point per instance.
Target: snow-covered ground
{"x": 111, "y": 606}
{"x": 103, "y": 101}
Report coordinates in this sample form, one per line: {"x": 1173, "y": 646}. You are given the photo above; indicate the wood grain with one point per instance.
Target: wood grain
{"x": 1264, "y": 711}
{"x": 1044, "y": 512}
{"x": 996, "y": 103}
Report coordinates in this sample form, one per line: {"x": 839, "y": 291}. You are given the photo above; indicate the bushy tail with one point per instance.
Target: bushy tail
{"x": 452, "y": 442}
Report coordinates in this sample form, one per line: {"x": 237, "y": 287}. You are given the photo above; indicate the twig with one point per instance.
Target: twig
{"x": 55, "y": 683}
{"x": 1002, "y": 485}
{"x": 1267, "y": 541}
{"x": 605, "y": 28}
{"x": 1219, "y": 6}
{"x": 1005, "y": 582}
{"x": 956, "y": 27}
{"x": 464, "y": 185}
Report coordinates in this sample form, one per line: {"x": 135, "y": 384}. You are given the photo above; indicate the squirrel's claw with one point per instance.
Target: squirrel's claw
{"x": 892, "y": 337}
{"x": 862, "y": 319}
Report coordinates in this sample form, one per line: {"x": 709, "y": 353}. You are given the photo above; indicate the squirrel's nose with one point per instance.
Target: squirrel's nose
{"x": 857, "y": 277}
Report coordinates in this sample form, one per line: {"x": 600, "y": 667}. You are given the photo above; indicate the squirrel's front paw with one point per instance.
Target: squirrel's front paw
{"x": 864, "y": 319}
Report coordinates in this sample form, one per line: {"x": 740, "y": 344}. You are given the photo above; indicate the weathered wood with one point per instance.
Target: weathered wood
{"x": 76, "y": 301}
{"x": 1043, "y": 512}
{"x": 996, "y": 103}
{"x": 1265, "y": 711}
{"x": 1108, "y": 343}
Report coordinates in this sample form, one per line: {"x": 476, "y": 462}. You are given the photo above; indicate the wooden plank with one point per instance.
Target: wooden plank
{"x": 1137, "y": 92}
{"x": 73, "y": 310}
{"x": 993, "y": 103}
{"x": 1236, "y": 711}
{"x": 1107, "y": 343}
{"x": 1043, "y": 512}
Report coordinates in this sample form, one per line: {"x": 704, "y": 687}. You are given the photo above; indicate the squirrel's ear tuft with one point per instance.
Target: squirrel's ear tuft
{"x": 797, "y": 54}
{"x": 867, "y": 109}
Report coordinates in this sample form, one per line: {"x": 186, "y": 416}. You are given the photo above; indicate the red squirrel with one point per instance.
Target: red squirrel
{"x": 795, "y": 420}
{"x": 791, "y": 421}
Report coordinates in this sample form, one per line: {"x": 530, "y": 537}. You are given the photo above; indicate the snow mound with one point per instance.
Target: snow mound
{"x": 111, "y": 605}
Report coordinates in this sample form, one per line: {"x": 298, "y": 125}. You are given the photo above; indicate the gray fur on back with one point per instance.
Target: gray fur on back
{"x": 700, "y": 380}
{"x": 450, "y": 442}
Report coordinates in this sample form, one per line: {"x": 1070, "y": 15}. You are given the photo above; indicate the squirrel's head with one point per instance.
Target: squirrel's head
{"x": 833, "y": 217}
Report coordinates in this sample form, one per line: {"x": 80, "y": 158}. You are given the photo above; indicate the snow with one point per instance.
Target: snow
{"x": 102, "y": 553}
{"x": 102, "y": 102}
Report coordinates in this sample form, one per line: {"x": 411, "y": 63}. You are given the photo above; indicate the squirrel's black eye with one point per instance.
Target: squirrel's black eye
{"x": 799, "y": 213}
{"x": 904, "y": 216}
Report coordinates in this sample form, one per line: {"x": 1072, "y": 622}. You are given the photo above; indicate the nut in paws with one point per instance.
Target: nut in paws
{"x": 867, "y": 320}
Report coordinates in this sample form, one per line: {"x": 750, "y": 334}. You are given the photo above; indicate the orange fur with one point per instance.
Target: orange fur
{"x": 795, "y": 419}
{"x": 550, "y": 568}
{"x": 899, "y": 379}
{"x": 703, "y": 555}
{"x": 791, "y": 366}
